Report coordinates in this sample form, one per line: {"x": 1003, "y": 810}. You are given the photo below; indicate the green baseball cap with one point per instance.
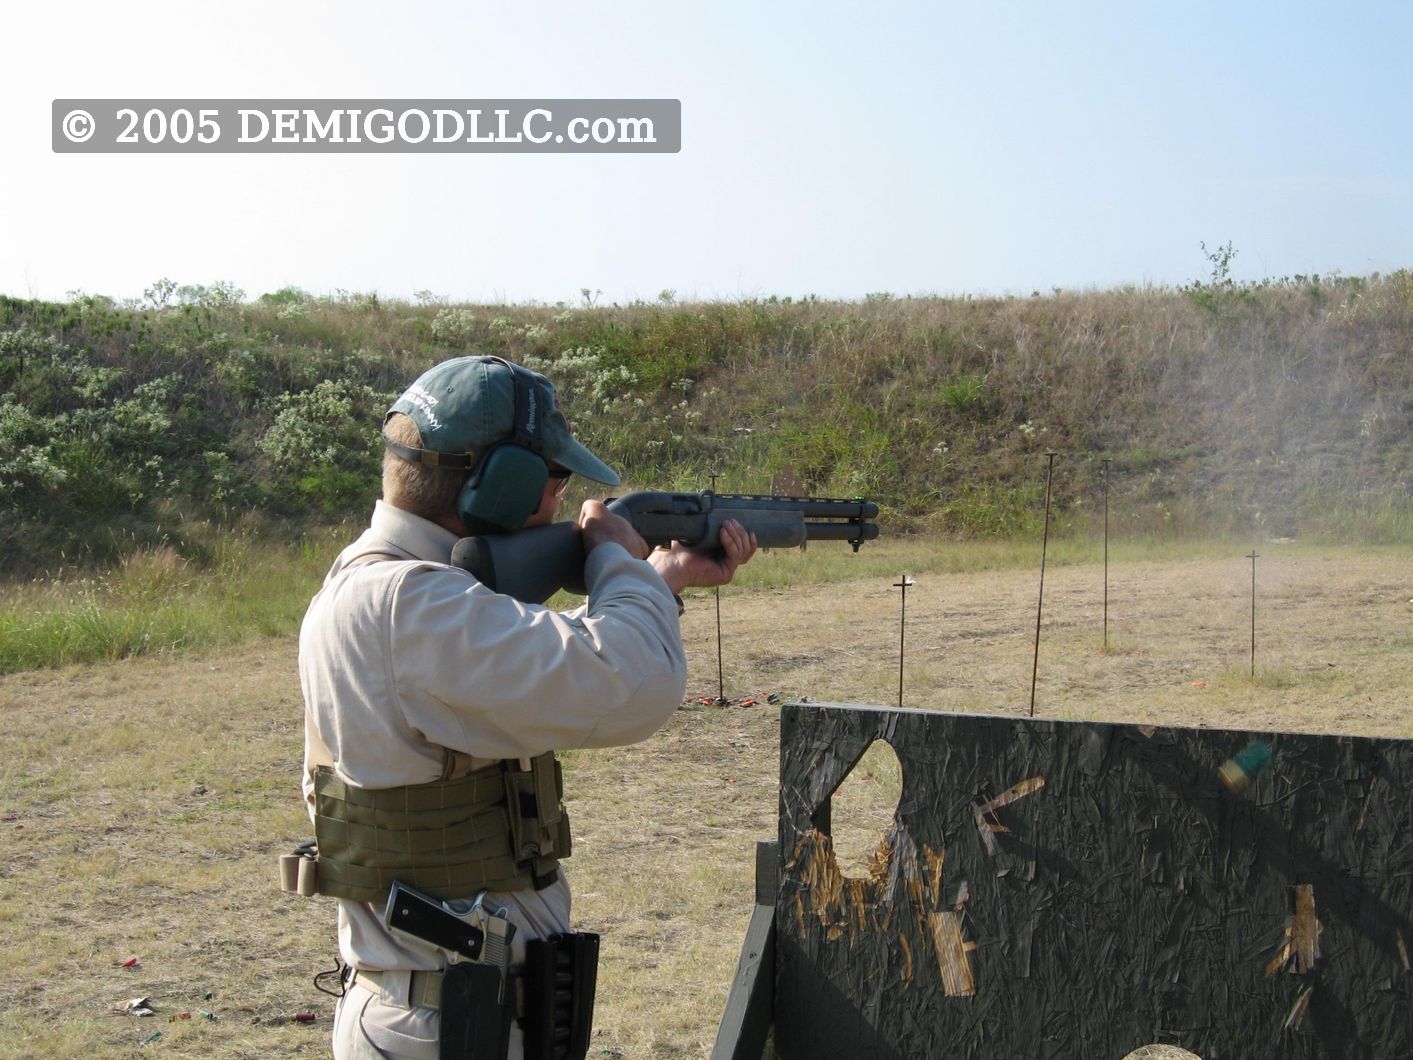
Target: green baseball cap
{"x": 463, "y": 405}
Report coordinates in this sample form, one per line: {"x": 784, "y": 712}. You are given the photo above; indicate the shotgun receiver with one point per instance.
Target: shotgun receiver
{"x": 531, "y": 565}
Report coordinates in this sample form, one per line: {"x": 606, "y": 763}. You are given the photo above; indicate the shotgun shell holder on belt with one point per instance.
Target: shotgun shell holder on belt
{"x": 559, "y": 980}
{"x": 497, "y": 828}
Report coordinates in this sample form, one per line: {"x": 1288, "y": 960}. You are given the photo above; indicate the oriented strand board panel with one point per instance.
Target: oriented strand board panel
{"x": 1069, "y": 890}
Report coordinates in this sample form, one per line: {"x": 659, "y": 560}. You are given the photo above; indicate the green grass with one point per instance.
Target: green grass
{"x": 159, "y": 602}
{"x": 1268, "y": 677}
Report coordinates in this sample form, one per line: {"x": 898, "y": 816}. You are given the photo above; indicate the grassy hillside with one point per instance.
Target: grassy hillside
{"x": 1282, "y": 408}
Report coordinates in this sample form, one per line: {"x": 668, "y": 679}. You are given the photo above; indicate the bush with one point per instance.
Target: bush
{"x": 26, "y": 458}
{"x": 452, "y": 327}
{"x": 324, "y": 446}
{"x": 963, "y": 393}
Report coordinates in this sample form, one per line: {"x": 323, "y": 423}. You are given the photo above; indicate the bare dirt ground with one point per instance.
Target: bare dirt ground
{"x": 144, "y": 803}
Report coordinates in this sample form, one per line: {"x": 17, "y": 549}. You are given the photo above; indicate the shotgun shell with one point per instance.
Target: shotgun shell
{"x": 1252, "y": 760}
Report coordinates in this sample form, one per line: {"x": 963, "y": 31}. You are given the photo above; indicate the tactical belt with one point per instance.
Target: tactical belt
{"x": 497, "y": 828}
{"x": 424, "y": 989}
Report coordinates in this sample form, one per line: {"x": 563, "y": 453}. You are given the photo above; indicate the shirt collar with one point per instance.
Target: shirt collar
{"x": 420, "y": 538}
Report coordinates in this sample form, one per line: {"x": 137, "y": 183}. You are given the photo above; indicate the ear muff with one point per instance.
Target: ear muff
{"x": 508, "y": 482}
{"x": 504, "y": 490}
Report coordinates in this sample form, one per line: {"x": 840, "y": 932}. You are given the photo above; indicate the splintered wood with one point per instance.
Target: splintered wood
{"x": 1297, "y": 1011}
{"x": 1014, "y": 792}
{"x": 821, "y": 883}
{"x": 846, "y": 906}
{"x": 986, "y": 821}
{"x": 932, "y": 862}
{"x": 945, "y": 929}
{"x": 1302, "y": 934}
{"x": 839, "y": 902}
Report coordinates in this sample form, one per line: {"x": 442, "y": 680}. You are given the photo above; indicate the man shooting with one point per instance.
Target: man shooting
{"x": 433, "y": 707}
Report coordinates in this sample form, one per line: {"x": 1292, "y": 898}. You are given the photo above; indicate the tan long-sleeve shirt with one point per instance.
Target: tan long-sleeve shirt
{"x": 401, "y": 658}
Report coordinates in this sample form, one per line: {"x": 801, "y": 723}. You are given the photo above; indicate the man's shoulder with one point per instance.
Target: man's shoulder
{"x": 392, "y": 566}
{"x": 360, "y": 595}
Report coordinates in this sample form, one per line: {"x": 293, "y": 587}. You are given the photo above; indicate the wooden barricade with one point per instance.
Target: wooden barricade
{"x": 1079, "y": 891}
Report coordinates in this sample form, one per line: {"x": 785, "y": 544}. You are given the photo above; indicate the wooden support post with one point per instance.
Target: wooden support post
{"x": 745, "y": 1025}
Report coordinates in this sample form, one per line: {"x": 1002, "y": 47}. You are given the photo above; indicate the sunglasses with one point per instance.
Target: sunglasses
{"x": 561, "y": 477}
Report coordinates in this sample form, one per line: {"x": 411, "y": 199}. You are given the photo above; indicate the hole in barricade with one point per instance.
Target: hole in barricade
{"x": 863, "y": 808}
{"x": 1161, "y": 1052}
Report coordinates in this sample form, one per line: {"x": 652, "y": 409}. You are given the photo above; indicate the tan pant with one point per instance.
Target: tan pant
{"x": 369, "y": 1026}
{"x": 373, "y": 1024}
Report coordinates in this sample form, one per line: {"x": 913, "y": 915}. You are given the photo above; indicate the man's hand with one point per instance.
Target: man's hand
{"x": 599, "y": 525}
{"x": 681, "y": 567}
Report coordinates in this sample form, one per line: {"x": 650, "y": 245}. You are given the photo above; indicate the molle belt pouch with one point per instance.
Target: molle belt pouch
{"x": 560, "y": 975}
{"x": 539, "y": 827}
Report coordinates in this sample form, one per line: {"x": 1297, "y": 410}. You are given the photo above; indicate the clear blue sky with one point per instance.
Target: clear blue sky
{"x": 835, "y": 149}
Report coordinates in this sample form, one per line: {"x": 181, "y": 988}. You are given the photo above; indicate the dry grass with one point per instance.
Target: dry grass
{"x": 145, "y": 801}
{"x": 147, "y": 798}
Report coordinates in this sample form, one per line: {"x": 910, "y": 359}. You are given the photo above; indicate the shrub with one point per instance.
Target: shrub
{"x": 26, "y": 459}
{"x": 963, "y": 393}
{"x": 323, "y": 447}
{"x": 451, "y": 327}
